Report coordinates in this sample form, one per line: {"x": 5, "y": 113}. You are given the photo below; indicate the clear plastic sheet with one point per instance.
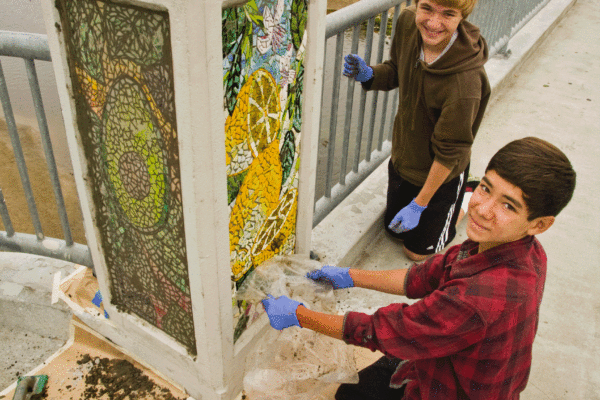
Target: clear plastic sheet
{"x": 296, "y": 364}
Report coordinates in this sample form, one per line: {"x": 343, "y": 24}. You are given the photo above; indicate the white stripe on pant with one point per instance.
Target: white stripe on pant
{"x": 444, "y": 235}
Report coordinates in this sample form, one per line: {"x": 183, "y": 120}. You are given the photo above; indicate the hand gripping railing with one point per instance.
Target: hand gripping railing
{"x": 373, "y": 107}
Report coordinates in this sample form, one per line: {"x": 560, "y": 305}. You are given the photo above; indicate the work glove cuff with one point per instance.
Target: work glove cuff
{"x": 344, "y": 279}
{"x": 415, "y": 207}
{"x": 364, "y": 75}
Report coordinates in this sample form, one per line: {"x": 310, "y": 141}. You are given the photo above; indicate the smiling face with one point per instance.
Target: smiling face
{"x": 436, "y": 24}
{"x": 498, "y": 214}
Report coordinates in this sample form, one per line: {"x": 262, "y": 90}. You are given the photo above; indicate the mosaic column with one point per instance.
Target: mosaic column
{"x": 192, "y": 128}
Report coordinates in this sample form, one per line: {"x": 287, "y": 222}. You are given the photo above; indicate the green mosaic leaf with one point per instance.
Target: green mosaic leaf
{"x": 287, "y": 154}
{"x": 85, "y": 27}
{"x": 232, "y": 81}
{"x": 254, "y": 14}
{"x": 234, "y": 183}
{"x": 233, "y": 26}
{"x": 247, "y": 42}
{"x": 298, "y": 22}
{"x": 294, "y": 104}
{"x": 240, "y": 327}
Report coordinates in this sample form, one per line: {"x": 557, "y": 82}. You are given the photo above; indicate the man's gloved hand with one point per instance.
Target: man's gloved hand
{"x": 355, "y": 67}
{"x": 407, "y": 218}
{"x": 281, "y": 311}
{"x": 338, "y": 277}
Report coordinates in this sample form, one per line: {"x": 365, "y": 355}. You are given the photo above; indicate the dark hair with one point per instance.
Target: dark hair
{"x": 542, "y": 172}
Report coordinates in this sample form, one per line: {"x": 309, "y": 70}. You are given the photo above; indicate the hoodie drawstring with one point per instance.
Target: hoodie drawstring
{"x": 419, "y": 88}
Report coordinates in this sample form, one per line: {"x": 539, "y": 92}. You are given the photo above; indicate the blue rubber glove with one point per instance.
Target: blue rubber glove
{"x": 407, "y": 218}
{"x": 338, "y": 277}
{"x": 355, "y": 67}
{"x": 281, "y": 311}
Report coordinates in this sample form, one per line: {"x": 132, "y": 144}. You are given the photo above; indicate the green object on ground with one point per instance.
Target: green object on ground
{"x": 28, "y": 387}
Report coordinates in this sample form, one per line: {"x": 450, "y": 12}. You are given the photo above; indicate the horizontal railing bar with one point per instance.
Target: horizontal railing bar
{"x": 24, "y": 45}
{"x": 49, "y": 247}
{"x": 356, "y": 13}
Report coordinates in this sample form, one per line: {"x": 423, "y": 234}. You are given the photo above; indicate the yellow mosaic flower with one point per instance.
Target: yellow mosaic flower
{"x": 254, "y": 123}
{"x": 276, "y": 229}
{"x": 264, "y": 111}
{"x": 258, "y": 195}
{"x": 237, "y": 149}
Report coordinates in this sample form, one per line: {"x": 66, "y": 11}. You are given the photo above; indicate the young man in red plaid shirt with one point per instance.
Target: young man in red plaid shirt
{"x": 470, "y": 335}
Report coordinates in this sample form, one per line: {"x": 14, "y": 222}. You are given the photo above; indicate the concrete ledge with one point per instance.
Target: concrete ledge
{"x": 342, "y": 236}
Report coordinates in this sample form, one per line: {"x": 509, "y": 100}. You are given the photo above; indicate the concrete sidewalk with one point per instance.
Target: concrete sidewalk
{"x": 548, "y": 88}
{"x": 553, "y": 95}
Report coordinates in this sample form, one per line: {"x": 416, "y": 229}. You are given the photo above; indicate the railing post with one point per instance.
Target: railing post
{"x": 47, "y": 145}
{"x": 349, "y": 104}
{"x": 10, "y": 231}
{"x": 339, "y": 47}
{"x": 19, "y": 157}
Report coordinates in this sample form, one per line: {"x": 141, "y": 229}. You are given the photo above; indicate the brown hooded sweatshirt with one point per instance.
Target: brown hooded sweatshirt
{"x": 441, "y": 105}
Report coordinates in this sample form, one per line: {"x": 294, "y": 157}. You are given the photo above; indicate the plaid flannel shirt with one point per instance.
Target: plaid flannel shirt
{"x": 471, "y": 334}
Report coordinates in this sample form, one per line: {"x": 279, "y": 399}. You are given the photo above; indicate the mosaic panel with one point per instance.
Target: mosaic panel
{"x": 263, "y": 74}
{"x": 120, "y": 62}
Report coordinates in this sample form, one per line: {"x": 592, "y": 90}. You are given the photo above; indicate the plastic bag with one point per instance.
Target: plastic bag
{"x": 296, "y": 363}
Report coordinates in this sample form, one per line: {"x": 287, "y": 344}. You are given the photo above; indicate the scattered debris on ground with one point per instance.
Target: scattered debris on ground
{"x": 111, "y": 379}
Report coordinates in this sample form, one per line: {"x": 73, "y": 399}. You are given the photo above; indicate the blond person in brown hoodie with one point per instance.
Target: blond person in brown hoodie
{"x": 436, "y": 61}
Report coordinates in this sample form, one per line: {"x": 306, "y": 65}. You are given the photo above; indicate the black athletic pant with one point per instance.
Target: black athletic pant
{"x": 373, "y": 384}
{"x": 437, "y": 226}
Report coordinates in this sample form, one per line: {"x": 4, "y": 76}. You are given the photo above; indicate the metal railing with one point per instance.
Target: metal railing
{"x": 340, "y": 178}
{"x": 499, "y": 20}
{"x": 355, "y": 138}
{"x": 31, "y": 47}
{"x": 348, "y": 134}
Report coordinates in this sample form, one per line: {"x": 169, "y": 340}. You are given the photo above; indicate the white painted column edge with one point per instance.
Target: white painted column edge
{"x": 78, "y": 160}
{"x": 311, "y": 114}
{"x": 204, "y": 184}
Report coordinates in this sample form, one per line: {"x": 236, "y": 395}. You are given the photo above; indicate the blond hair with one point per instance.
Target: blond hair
{"x": 464, "y": 6}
